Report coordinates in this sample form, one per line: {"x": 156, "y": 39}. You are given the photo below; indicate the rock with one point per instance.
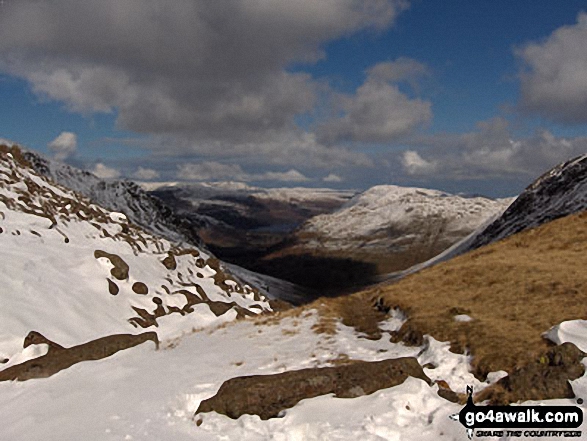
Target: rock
{"x": 120, "y": 267}
{"x": 59, "y": 358}
{"x": 543, "y": 379}
{"x": 169, "y": 262}
{"x": 268, "y": 395}
{"x": 112, "y": 287}
{"x": 140, "y": 288}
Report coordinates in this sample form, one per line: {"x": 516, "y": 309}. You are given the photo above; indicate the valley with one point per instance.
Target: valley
{"x": 192, "y": 347}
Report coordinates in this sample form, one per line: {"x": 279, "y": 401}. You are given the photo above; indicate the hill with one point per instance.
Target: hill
{"x": 75, "y": 272}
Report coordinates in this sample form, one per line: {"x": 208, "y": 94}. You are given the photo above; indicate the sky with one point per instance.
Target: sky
{"x": 467, "y": 96}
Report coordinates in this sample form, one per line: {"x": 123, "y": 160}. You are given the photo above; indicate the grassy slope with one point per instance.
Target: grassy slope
{"x": 514, "y": 290}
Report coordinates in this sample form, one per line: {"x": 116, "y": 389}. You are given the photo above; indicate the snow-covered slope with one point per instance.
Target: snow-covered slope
{"x": 125, "y": 196}
{"x": 74, "y": 271}
{"x": 558, "y": 193}
{"x": 412, "y": 224}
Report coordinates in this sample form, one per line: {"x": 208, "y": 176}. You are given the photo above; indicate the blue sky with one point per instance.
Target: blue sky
{"x": 466, "y": 96}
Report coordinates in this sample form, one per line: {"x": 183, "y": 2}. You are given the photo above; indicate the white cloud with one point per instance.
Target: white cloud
{"x": 414, "y": 164}
{"x": 379, "y": 112}
{"x": 332, "y": 178}
{"x": 490, "y": 152}
{"x": 104, "y": 172}
{"x": 288, "y": 176}
{"x": 554, "y": 79}
{"x": 296, "y": 149}
{"x": 64, "y": 146}
{"x": 146, "y": 174}
{"x": 211, "y": 171}
{"x": 210, "y": 70}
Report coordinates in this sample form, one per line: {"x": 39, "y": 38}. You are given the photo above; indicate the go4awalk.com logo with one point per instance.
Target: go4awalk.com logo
{"x": 518, "y": 421}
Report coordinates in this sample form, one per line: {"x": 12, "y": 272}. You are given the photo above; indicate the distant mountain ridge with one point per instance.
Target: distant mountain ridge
{"x": 395, "y": 227}
{"x": 119, "y": 195}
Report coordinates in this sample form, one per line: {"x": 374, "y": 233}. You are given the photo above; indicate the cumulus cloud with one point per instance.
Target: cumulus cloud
{"x": 145, "y": 174}
{"x": 104, "y": 172}
{"x": 491, "y": 151}
{"x": 414, "y": 164}
{"x": 554, "y": 79}
{"x": 379, "y": 112}
{"x": 64, "y": 146}
{"x": 296, "y": 148}
{"x": 212, "y": 171}
{"x": 210, "y": 70}
{"x": 332, "y": 178}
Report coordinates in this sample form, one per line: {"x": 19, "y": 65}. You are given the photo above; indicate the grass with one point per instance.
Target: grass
{"x": 514, "y": 290}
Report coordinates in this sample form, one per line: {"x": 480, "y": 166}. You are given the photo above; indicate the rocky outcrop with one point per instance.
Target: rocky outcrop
{"x": 543, "y": 379}
{"x": 268, "y": 395}
{"x": 59, "y": 358}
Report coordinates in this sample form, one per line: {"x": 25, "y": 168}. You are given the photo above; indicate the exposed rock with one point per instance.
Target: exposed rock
{"x": 120, "y": 269}
{"x": 112, "y": 287}
{"x": 268, "y": 395}
{"x": 559, "y": 192}
{"x": 169, "y": 262}
{"x": 544, "y": 379}
{"x": 59, "y": 358}
{"x": 36, "y": 338}
{"x": 140, "y": 288}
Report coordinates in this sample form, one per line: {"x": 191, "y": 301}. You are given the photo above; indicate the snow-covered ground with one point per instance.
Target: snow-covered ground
{"x": 152, "y": 395}
{"x": 143, "y": 394}
{"x": 58, "y": 252}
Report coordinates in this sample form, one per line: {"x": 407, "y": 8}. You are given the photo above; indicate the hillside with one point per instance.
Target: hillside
{"x": 238, "y": 221}
{"x": 76, "y": 272}
{"x": 125, "y": 196}
{"x": 384, "y": 229}
{"x": 557, "y": 193}
{"x": 90, "y": 284}
{"x": 497, "y": 301}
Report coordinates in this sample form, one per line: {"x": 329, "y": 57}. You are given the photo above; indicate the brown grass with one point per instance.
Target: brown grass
{"x": 514, "y": 290}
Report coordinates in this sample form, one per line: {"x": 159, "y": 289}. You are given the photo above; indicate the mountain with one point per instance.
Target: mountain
{"x": 399, "y": 356}
{"x": 235, "y": 219}
{"x": 388, "y": 228}
{"x": 559, "y": 192}
{"x": 179, "y": 226}
{"x": 497, "y": 301}
{"x": 124, "y": 196}
{"x": 75, "y": 272}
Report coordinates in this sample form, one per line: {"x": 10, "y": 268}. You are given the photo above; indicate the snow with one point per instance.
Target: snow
{"x": 559, "y": 192}
{"x": 463, "y": 318}
{"x": 367, "y": 219}
{"x": 54, "y": 283}
{"x": 574, "y": 331}
{"x": 152, "y": 395}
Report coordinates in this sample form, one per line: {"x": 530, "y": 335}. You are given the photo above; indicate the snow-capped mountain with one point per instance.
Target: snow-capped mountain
{"x": 559, "y": 192}
{"x": 125, "y": 196}
{"x": 75, "y": 272}
{"x": 394, "y": 226}
{"x": 238, "y": 206}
